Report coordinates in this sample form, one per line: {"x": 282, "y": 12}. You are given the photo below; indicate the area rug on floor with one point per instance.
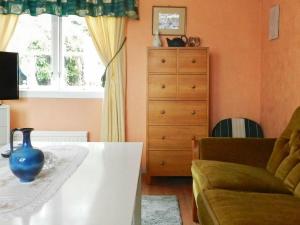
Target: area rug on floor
{"x": 160, "y": 210}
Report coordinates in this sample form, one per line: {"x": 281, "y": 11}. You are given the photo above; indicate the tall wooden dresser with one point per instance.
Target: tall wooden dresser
{"x": 177, "y": 108}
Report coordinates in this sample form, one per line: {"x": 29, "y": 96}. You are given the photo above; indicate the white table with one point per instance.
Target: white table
{"x": 104, "y": 190}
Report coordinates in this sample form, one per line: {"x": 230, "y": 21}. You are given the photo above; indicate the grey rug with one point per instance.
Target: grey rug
{"x": 160, "y": 210}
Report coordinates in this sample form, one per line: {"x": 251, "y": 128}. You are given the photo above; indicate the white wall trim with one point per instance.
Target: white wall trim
{"x": 61, "y": 94}
{"x": 55, "y": 136}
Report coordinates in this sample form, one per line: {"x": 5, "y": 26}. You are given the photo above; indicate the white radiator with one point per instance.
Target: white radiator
{"x": 55, "y": 136}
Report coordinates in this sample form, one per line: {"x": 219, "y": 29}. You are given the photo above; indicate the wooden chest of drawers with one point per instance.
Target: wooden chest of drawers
{"x": 177, "y": 108}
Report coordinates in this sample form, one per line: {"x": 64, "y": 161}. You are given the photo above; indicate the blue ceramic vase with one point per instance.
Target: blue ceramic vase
{"x": 25, "y": 162}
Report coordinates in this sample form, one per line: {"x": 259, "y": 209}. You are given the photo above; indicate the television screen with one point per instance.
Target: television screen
{"x": 9, "y": 75}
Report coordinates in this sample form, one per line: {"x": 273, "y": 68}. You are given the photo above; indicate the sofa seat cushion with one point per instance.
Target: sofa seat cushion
{"x": 232, "y": 176}
{"x": 289, "y": 168}
{"x": 226, "y": 207}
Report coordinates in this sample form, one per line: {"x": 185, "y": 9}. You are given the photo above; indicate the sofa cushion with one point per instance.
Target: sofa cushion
{"x": 232, "y": 176}
{"x": 282, "y": 146}
{"x": 224, "y": 207}
{"x": 289, "y": 168}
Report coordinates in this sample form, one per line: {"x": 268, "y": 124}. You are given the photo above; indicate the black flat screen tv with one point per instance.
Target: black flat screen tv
{"x": 9, "y": 75}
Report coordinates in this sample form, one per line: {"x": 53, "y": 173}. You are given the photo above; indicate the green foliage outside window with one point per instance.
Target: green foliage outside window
{"x": 74, "y": 70}
{"x": 43, "y": 74}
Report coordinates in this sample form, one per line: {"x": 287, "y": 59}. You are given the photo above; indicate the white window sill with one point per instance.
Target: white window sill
{"x": 61, "y": 94}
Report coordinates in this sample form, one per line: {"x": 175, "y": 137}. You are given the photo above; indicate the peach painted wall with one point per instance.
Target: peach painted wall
{"x": 280, "y": 92}
{"x": 232, "y": 30}
{"x": 58, "y": 115}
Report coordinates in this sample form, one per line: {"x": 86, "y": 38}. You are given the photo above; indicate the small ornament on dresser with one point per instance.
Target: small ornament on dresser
{"x": 178, "y": 41}
{"x": 156, "y": 40}
{"x": 193, "y": 42}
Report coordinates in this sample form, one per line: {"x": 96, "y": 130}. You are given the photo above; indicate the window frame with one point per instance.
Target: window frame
{"x": 61, "y": 94}
{"x": 57, "y": 69}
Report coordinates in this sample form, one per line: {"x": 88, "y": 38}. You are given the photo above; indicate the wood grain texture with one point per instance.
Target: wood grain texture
{"x": 170, "y": 163}
{"x": 177, "y": 108}
{"x": 179, "y": 186}
{"x": 162, "y": 61}
{"x": 193, "y": 87}
{"x": 174, "y": 137}
{"x": 177, "y": 112}
{"x": 162, "y": 86}
{"x": 192, "y": 61}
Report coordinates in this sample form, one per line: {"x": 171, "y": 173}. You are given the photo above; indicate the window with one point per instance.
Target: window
{"x": 57, "y": 55}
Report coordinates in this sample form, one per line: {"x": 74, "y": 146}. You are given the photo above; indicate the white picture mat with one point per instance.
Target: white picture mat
{"x": 274, "y": 22}
{"x": 169, "y": 20}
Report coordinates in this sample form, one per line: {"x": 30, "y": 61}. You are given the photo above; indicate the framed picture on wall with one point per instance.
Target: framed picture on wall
{"x": 169, "y": 20}
{"x": 274, "y": 22}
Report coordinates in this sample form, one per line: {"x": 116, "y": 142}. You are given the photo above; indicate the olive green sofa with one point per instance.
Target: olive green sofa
{"x": 248, "y": 181}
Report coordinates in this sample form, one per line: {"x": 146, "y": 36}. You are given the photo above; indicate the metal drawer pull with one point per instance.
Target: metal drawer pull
{"x": 163, "y": 61}
{"x": 194, "y": 61}
{"x": 163, "y": 137}
{"x": 162, "y": 163}
{"x": 194, "y": 112}
{"x": 162, "y": 112}
{"x": 194, "y": 86}
{"x": 163, "y": 86}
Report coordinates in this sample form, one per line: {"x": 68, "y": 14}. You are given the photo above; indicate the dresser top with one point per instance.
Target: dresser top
{"x": 180, "y": 48}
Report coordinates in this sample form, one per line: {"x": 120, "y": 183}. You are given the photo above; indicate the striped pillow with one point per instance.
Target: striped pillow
{"x": 237, "y": 128}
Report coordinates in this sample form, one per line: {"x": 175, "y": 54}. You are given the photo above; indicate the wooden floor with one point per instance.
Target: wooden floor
{"x": 179, "y": 186}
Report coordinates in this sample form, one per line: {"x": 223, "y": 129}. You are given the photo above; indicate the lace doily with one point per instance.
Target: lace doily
{"x": 21, "y": 199}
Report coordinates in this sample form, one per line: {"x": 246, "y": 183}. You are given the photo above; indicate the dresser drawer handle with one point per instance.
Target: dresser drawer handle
{"x": 194, "y": 61}
{"x": 162, "y": 112}
{"x": 163, "y": 137}
{"x": 163, "y": 86}
{"x": 162, "y": 163}
{"x": 193, "y": 138}
{"x": 194, "y": 112}
{"x": 194, "y": 87}
{"x": 163, "y": 61}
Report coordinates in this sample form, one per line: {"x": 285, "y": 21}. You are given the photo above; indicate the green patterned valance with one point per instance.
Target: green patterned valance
{"x": 116, "y": 8}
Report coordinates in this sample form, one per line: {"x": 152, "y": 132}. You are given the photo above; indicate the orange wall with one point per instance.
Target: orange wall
{"x": 58, "y": 115}
{"x": 280, "y": 93}
{"x": 232, "y": 31}
{"x": 230, "y": 28}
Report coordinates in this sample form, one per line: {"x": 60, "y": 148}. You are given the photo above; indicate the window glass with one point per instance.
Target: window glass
{"x": 56, "y": 53}
{"x": 33, "y": 40}
{"x": 82, "y": 66}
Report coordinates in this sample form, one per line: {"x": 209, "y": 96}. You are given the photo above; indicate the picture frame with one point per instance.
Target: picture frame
{"x": 169, "y": 20}
{"x": 274, "y": 22}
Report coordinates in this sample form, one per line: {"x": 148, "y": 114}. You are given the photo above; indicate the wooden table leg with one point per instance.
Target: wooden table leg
{"x": 148, "y": 179}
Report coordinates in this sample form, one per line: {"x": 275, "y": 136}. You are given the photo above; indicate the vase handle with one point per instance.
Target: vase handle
{"x": 12, "y": 132}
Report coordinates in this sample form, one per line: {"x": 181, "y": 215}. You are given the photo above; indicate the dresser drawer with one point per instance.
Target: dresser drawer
{"x": 162, "y": 61}
{"x": 194, "y": 87}
{"x": 170, "y": 163}
{"x": 177, "y": 112}
{"x": 192, "y": 61}
{"x": 162, "y": 86}
{"x": 174, "y": 137}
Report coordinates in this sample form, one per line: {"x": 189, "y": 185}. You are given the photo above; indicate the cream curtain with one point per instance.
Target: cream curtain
{"x": 108, "y": 33}
{"x": 7, "y": 27}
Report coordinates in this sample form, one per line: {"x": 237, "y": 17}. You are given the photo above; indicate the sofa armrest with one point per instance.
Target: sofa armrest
{"x": 249, "y": 151}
